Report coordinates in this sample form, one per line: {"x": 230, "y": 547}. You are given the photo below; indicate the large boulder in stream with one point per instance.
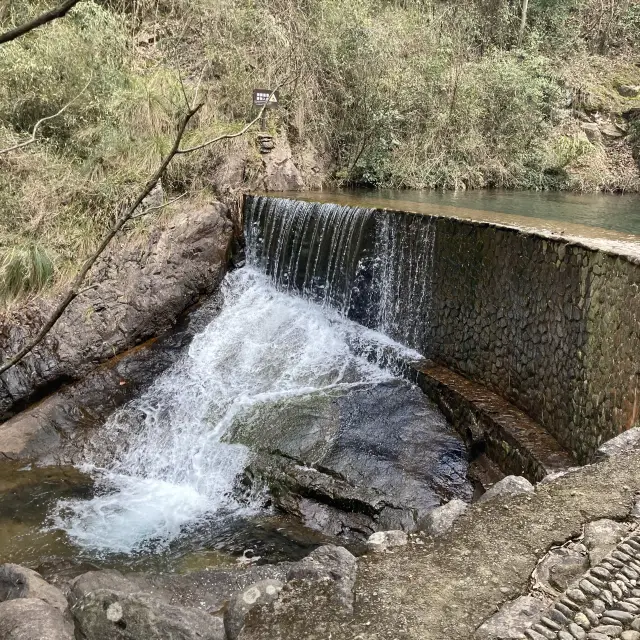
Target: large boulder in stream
{"x": 349, "y": 463}
{"x": 108, "y": 606}
{"x": 33, "y": 619}
{"x": 138, "y": 292}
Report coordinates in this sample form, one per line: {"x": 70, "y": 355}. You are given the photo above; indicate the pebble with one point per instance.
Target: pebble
{"x": 577, "y": 632}
{"x": 608, "y": 630}
{"x": 621, "y": 556}
{"x": 564, "y": 610}
{"x": 565, "y": 635}
{"x": 597, "y": 583}
{"x": 533, "y": 635}
{"x": 589, "y": 588}
{"x": 601, "y": 573}
{"x": 593, "y": 618}
{"x": 598, "y": 606}
{"x": 627, "y": 606}
{"x": 597, "y": 636}
{"x": 615, "y": 589}
{"x": 559, "y": 617}
{"x": 606, "y": 620}
{"x": 552, "y": 624}
{"x": 582, "y": 620}
{"x": 607, "y": 596}
{"x": 577, "y": 596}
{"x": 616, "y": 614}
{"x": 543, "y": 631}
{"x": 570, "y": 604}
{"x": 630, "y": 635}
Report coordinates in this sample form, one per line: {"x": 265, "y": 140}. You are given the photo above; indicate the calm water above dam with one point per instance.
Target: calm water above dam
{"x": 619, "y": 213}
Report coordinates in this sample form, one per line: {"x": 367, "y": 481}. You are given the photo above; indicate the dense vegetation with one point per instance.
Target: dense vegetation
{"x": 406, "y": 93}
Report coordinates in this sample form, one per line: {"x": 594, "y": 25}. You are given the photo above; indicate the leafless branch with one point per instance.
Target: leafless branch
{"x": 41, "y": 121}
{"x": 43, "y": 18}
{"x": 160, "y": 206}
{"x": 228, "y": 136}
{"x": 75, "y": 289}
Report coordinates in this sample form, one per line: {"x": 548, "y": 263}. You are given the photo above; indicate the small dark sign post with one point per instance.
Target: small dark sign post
{"x": 268, "y": 98}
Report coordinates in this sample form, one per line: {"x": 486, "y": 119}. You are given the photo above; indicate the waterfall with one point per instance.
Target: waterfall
{"x": 161, "y": 465}
{"x": 373, "y": 266}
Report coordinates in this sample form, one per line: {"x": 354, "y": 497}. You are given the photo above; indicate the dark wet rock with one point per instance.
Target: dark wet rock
{"x": 20, "y": 582}
{"x": 332, "y": 565}
{"x": 108, "y": 606}
{"x": 509, "y": 486}
{"x": 255, "y": 595}
{"x": 33, "y": 619}
{"x": 511, "y": 621}
{"x": 383, "y": 540}
{"x": 441, "y": 519}
{"x": 60, "y": 424}
{"x": 601, "y": 538}
{"x": 140, "y": 293}
{"x": 626, "y": 441}
{"x": 349, "y": 469}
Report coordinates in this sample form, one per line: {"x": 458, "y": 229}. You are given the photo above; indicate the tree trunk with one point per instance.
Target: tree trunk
{"x": 523, "y": 21}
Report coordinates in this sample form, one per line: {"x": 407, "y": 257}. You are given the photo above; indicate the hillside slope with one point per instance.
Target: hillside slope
{"x": 394, "y": 93}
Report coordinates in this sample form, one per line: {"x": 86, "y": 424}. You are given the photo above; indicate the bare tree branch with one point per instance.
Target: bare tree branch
{"x": 75, "y": 289}
{"x": 160, "y": 206}
{"x": 228, "y": 136}
{"x": 35, "y": 129}
{"x": 43, "y": 18}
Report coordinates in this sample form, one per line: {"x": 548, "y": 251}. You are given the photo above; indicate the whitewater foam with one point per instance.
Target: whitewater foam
{"x": 160, "y": 463}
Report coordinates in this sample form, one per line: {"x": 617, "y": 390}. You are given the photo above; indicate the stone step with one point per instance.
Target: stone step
{"x": 511, "y": 439}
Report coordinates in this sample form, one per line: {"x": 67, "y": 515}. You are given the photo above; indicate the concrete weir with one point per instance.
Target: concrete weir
{"x": 530, "y": 328}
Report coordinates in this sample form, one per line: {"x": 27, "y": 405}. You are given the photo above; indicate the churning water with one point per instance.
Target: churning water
{"x": 161, "y": 466}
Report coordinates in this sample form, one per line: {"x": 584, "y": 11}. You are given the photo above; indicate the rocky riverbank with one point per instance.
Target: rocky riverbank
{"x": 136, "y": 293}
{"x": 558, "y": 562}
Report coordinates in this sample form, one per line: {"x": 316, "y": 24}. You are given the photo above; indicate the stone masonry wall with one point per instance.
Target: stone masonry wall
{"x": 552, "y": 326}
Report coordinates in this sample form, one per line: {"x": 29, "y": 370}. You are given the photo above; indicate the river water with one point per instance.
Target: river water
{"x": 159, "y": 485}
{"x": 619, "y": 212}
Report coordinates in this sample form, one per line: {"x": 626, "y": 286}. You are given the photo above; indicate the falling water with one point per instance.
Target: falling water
{"x": 161, "y": 466}
{"x": 373, "y": 266}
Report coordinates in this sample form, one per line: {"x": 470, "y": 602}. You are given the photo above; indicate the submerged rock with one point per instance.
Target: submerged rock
{"x": 351, "y": 463}
{"x": 509, "y": 486}
{"x": 33, "y": 619}
{"x": 107, "y": 606}
{"x": 255, "y": 595}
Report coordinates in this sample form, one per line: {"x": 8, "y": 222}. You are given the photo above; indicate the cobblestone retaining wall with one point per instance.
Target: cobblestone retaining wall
{"x": 550, "y": 325}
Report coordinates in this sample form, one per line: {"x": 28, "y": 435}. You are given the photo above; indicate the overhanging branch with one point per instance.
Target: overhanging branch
{"x": 43, "y": 18}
